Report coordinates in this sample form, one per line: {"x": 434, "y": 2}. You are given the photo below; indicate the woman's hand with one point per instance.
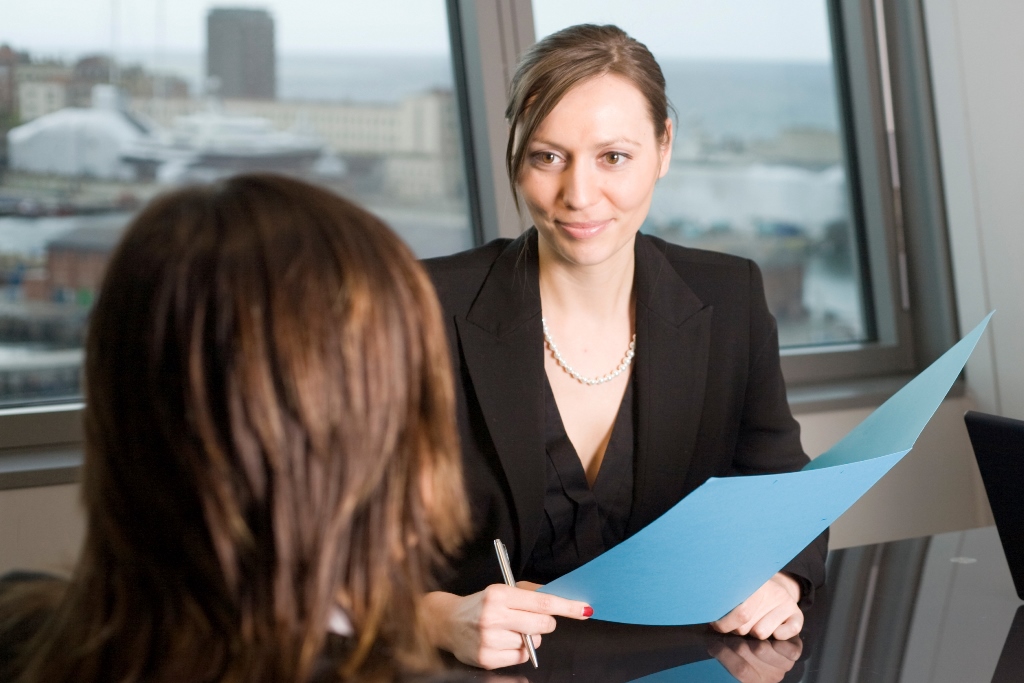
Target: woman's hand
{"x": 772, "y": 611}
{"x": 485, "y": 629}
{"x": 752, "y": 661}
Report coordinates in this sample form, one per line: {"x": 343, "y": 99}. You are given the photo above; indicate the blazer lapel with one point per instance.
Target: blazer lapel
{"x": 502, "y": 344}
{"x": 673, "y": 332}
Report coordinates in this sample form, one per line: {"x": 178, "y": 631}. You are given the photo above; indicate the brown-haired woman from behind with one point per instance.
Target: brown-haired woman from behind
{"x": 270, "y": 449}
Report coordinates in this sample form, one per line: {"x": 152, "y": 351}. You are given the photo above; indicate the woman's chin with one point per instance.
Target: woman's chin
{"x": 592, "y": 251}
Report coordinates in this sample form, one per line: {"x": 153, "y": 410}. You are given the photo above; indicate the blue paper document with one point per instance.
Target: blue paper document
{"x": 718, "y": 545}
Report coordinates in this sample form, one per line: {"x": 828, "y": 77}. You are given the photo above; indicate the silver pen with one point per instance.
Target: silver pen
{"x": 506, "y": 571}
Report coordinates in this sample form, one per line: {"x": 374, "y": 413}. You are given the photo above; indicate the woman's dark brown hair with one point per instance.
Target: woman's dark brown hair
{"x": 269, "y": 433}
{"x": 566, "y": 58}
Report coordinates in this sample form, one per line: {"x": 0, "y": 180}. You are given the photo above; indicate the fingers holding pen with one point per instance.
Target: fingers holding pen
{"x": 519, "y": 611}
{"x": 486, "y": 629}
{"x": 503, "y": 607}
{"x": 525, "y": 597}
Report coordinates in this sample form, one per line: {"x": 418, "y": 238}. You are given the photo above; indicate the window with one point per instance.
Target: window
{"x": 143, "y": 96}
{"x": 103, "y": 104}
{"x": 789, "y": 149}
{"x": 792, "y": 149}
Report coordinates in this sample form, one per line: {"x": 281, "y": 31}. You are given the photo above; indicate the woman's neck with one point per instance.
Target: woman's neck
{"x": 586, "y": 293}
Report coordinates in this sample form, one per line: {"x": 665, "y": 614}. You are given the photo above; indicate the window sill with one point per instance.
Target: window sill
{"x": 40, "y": 445}
{"x": 55, "y": 464}
{"x": 851, "y": 394}
{"x": 40, "y": 466}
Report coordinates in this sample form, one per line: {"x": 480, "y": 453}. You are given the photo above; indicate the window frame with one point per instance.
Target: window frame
{"x": 487, "y": 38}
{"x": 40, "y": 445}
{"x": 865, "y": 96}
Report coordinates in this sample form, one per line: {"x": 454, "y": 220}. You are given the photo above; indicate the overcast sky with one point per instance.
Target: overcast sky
{"x": 777, "y": 30}
{"x": 790, "y": 30}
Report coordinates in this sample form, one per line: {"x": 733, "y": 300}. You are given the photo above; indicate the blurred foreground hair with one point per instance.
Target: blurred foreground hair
{"x": 269, "y": 433}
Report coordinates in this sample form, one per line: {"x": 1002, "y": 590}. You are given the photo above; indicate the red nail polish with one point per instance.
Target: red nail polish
{"x": 588, "y": 611}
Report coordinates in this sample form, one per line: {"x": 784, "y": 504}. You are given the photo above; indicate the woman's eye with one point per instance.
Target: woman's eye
{"x": 543, "y": 158}
{"x": 614, "y": 158}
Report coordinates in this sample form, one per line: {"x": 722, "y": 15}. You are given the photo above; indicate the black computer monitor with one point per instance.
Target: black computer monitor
{"x": 999, "y": 448}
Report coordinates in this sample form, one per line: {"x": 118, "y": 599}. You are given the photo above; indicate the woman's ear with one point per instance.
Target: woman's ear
{"x": 665, "y": 148}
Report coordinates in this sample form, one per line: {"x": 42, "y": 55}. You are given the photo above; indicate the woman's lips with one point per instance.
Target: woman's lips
{"x": 583, "y": 229}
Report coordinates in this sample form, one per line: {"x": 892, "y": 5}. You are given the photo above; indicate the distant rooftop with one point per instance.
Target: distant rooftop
{"x": 239, "y": 11}
{"x": 97, "y": 238}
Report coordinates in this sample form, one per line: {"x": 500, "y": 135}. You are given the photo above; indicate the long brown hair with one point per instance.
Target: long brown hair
{"x": 269, "y": 433}
{"x": 552, "y": 66}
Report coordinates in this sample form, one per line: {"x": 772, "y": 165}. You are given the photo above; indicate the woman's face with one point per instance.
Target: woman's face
{"x": 590, "y": 171}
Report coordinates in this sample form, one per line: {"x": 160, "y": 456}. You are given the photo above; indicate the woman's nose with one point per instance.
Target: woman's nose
{"x": 579, "y": 186}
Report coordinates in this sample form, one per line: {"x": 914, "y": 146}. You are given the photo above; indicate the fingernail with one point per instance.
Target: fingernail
{"x": 588, "y": 611}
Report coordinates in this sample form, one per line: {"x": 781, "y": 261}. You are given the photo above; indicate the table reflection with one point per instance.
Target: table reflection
{"x": 605, "y": 651}
{"x": 940, "y": 609}
{"x": 619, "y": 653}
{"x": 1010, "y": 668}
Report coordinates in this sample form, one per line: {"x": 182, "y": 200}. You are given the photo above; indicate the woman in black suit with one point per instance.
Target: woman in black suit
{"x": 603, "y": 374}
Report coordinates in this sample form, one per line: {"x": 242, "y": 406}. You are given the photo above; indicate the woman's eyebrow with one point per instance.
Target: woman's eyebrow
{"x": 539, "y": 142}
{"x": 618, "y": 141}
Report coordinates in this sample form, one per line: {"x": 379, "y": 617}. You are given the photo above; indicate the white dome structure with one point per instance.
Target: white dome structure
{"x": 77, "y": 142}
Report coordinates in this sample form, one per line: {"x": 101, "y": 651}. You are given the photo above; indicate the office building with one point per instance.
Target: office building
{"x": 8, "y": 81}
{"x": 240, "y": 54}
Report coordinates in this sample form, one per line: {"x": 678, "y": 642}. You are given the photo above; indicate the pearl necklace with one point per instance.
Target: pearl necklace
{"x": 571, "y": 371}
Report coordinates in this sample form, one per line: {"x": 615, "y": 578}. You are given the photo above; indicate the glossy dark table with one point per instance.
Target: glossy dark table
{"x": 940, "y": 609}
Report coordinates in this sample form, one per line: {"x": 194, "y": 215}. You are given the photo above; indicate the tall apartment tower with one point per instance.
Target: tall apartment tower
{"x": 240, "y": 52}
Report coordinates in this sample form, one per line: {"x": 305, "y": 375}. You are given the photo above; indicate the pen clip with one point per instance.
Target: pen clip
{"x": 504, "y": 563}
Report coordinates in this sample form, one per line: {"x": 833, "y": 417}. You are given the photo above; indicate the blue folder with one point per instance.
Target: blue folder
{"x": 718, "y": 545}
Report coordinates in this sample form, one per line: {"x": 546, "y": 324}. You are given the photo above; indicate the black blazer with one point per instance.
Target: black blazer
{"x": 709, "y": 394}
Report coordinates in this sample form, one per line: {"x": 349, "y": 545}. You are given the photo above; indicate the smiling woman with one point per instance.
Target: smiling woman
{"x": 589, "y": 180}
{"x": 562, "y": 466}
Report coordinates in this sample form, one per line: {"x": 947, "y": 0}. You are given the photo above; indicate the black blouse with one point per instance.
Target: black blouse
{"x": 581, "y": 522}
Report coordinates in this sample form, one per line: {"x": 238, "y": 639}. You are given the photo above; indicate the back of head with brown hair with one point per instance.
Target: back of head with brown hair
{"x": 269, "y": 433}
{"x": 555, "y": 64}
